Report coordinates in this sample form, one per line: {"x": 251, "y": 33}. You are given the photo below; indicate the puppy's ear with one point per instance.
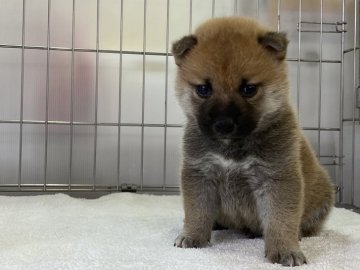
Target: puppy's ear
{"x": 182, "y": 47}
{"x": 276, "y": 43}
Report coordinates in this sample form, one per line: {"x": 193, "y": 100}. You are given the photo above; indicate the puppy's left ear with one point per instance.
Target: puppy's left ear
{"x": 276, "y": 43}
{"x": 182, "y": 47}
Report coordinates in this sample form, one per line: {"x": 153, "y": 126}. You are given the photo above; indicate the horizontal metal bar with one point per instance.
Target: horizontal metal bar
{"x": 330, "y": 156}
{"x": 350, "y": 119}
{"x": 77, "y": 188}
{"x": 72, "y": 185}
{"x": 328, "y": 32}
{"x": 322, "y": 129}
{"x": 330, "y": 164}
{"x": 321, "y": 31}
{"x": 121, "y": 124}
{"x": 7, "y": 46}
{"x": 39, "y": 122}
{"x": 313, "y": 60}
{"x": 137, "y": 52}
{"x": 327, "y": 23}
{"x": 351, "y": 49}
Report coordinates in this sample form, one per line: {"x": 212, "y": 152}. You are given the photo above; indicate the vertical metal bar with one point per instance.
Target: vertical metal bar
{"x": 21, "y": 94}
{"x": 320, "y": 78}
{"x": 143, "y": 99}
{"x": 120, "y": 92}
{"x": 72, "y": 93}
{"x": 257, "y": 8}
{"x": 96, "y": 91}
{"x": 213, "y": 9}
{"x": 47, "y": 95}
{"x": 278, "y": 15}
{"x": 235, "y": 7}
{"x": 341, "y": 124}
{"x": 166, "y": 90}
{"x": 299, "y": 63}
{"x": 190, "y": 17}
{"x": 354, "y": 108}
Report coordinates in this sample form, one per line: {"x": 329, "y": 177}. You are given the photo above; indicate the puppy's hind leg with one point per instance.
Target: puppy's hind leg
{"x": 313, "y": 222}
{"x": 318, "y": 204}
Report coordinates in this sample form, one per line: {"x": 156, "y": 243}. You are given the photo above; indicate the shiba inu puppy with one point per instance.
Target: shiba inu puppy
{"x": 247, "y": 165}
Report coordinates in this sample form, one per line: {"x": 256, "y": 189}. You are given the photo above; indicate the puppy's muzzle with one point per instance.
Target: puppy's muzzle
{"x": 223, "y": 126}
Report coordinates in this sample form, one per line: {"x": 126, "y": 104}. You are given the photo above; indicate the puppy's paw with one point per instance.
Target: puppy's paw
{"x": 286, "y": 257}
{"x": 183, "y": 241}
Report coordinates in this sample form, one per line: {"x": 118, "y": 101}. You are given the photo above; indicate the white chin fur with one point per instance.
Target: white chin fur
{"x": 226, "y": 141}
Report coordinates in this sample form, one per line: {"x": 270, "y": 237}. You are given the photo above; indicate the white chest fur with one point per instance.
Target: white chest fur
{"x": 214, "y": 164}
{"x": 230, "y": 164}
{"x": 240, "y": 185}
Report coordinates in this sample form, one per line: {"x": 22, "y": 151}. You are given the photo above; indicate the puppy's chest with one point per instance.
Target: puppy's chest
{"x": 236, "y": 178}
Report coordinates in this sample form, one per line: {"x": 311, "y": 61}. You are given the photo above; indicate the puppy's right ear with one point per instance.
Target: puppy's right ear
{"x": 182, "y": 47}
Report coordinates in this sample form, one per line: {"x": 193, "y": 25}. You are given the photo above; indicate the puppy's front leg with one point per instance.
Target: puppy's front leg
{"x": 280, "y": 208}
{"x": 199, "y": 197}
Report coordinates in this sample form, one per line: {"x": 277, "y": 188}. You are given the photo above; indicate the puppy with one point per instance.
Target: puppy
{"x": 246, "y": 163}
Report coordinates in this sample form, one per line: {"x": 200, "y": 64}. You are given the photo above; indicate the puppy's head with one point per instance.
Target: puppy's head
{"x": 232, "y": 76}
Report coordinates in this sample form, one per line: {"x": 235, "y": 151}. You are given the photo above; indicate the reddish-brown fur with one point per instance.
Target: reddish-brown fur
{"x": 268, "y": 181}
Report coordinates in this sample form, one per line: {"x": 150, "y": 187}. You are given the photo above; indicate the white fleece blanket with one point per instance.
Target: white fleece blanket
{"x": 131, "y": 231}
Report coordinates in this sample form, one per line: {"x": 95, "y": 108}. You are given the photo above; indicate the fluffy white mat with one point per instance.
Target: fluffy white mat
{"x": 129, "y": 231}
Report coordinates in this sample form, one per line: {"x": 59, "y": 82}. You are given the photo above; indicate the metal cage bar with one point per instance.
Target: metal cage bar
{"x": 120, "y": 92}
{"x": 320, "y": 77}
{"x": 96, "y": 92}
{"x": 147, "y": 53}
{"x": 190, "y": 15}
{"x": 298, "y": 61}
{"x": 143, "y": 100}
{"x": 213, "y": 9}
{"x": 166, "y": 92}
{"x": 47, "y": 95}
{"x": 72, "y": 92}
{"x": 22, "y": 92}
{"x": 352, "y": 184}
{"x": 278, "y": 14}
{"x": 340, "y": 183}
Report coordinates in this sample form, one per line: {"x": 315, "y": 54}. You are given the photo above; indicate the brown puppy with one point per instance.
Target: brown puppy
{"x": 247, "y": 164}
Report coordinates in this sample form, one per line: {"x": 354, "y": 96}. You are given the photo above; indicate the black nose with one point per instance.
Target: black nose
{"x": 224, "y": 126}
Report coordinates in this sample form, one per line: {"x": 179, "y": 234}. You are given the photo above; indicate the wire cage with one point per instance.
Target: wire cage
{"x": 87, "y": 89}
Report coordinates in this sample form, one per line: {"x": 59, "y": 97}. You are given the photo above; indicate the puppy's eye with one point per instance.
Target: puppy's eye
{"x": 248, "y": 90}
{"x": 203, "y": 90}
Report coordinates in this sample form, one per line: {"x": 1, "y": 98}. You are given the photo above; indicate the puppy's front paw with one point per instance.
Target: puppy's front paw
{"x": 286, "y": 257}
{"x": 184, "y": 241}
